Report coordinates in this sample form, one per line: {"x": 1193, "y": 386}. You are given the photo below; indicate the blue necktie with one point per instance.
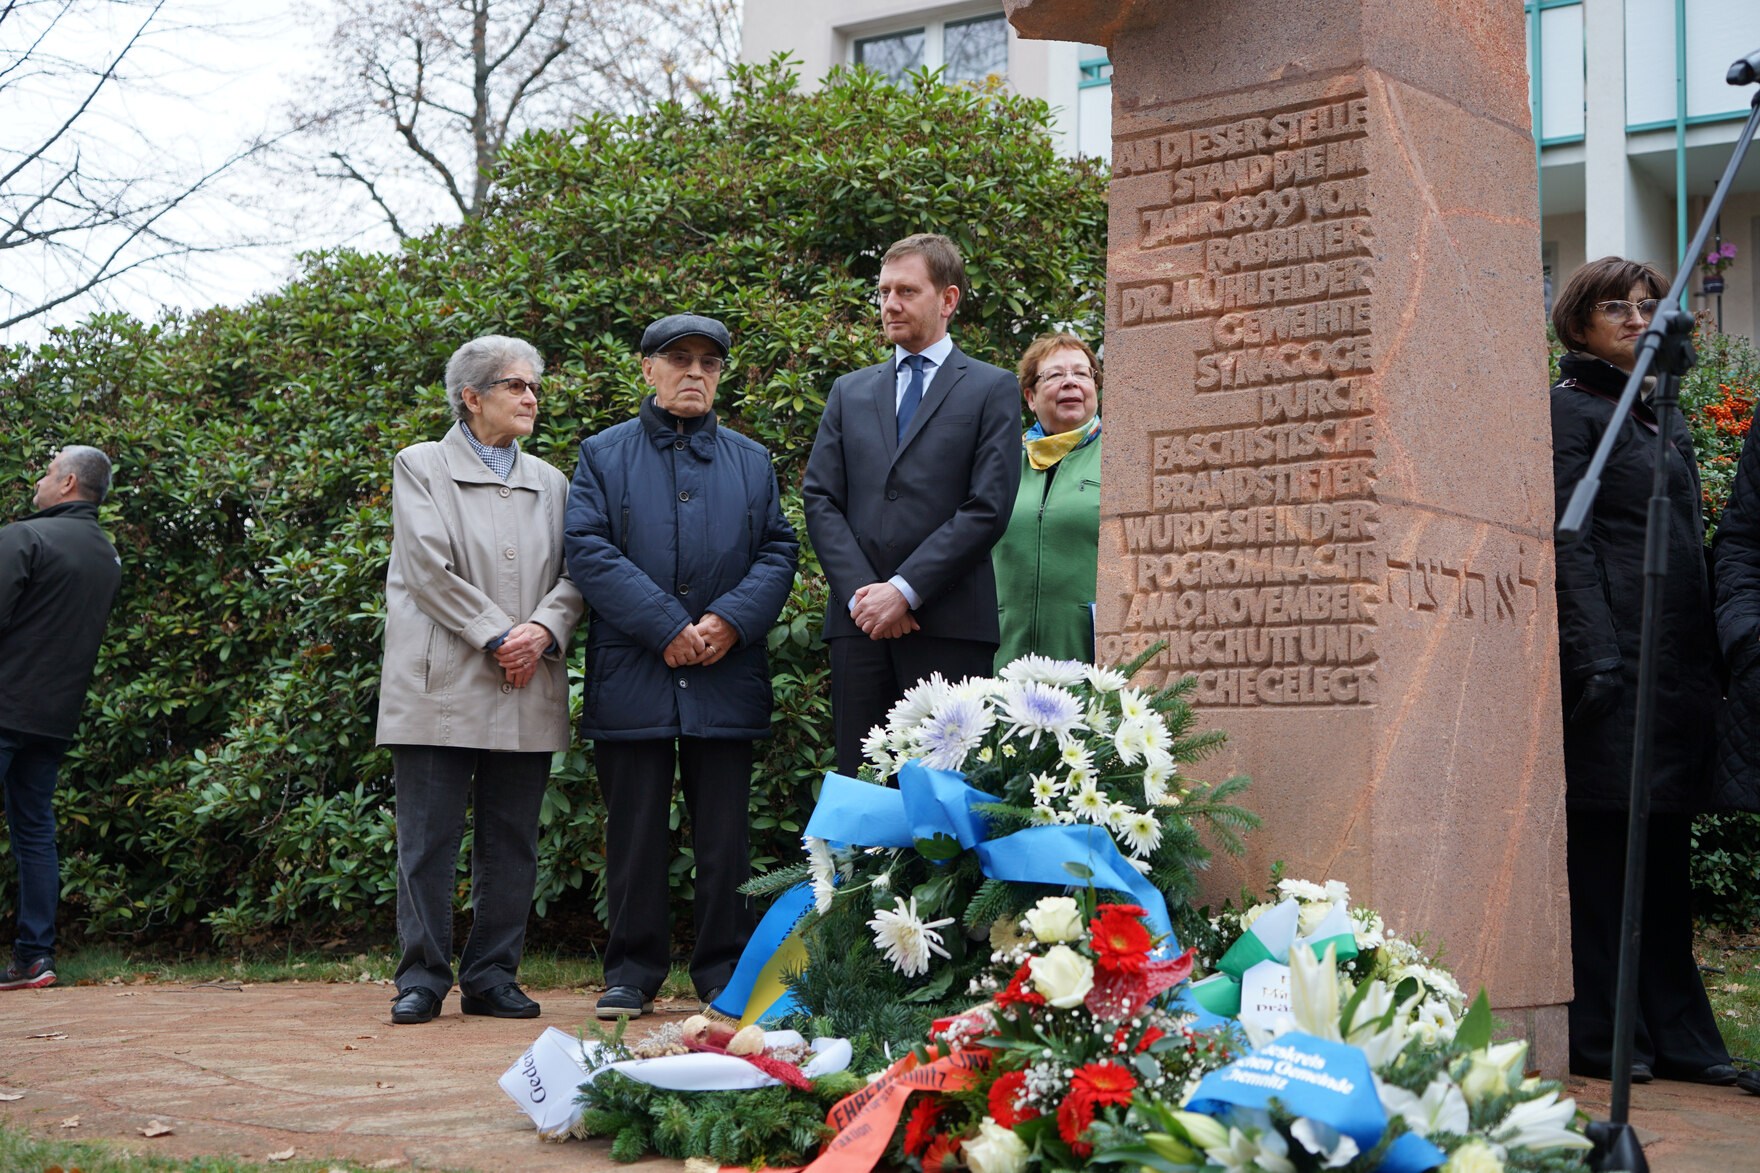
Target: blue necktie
{"x": 913, "y": 393}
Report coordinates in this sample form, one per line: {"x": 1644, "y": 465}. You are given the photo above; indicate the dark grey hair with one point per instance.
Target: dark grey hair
{"x": 90, "y": 467}
{"x": 480, "y": 362}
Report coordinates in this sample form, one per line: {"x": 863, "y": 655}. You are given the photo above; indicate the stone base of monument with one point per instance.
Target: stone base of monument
{"x": 1328, "y": 479}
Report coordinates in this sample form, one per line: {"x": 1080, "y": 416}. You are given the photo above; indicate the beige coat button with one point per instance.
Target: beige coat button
{"x": 510, "y": 554}
{"x": 507, "y": 688}
{"x": 506, "y": 491}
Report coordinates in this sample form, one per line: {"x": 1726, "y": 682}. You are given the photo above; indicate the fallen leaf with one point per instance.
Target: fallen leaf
{"x": 86, "y": 982}
{"x": 350, "y": 1047}
{"x": 11, "y": 1096}
{"x": 156, "y": 1128}
{"x": 382, "y": 1083}
{"x": 387, "y": 1163}
{"x": 70, "y": 1122}
{"x": 1735, "y": 988}
{"x": 1731, "y": 1014}
{"x": 366, "y": 1036}
{"x": 49, "y": 1034}
{"x": 283, "y": 1155}
{"x": 127, "y": 994}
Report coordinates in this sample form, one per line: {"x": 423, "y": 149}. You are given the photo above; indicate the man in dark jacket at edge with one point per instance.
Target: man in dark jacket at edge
{"x": 676, "y": 538}
{"x": 58, "y": 578}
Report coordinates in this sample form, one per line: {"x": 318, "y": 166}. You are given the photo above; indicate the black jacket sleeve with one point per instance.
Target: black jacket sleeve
{"x": 1737, "y": 547}
{"x": 1587, "y": 642}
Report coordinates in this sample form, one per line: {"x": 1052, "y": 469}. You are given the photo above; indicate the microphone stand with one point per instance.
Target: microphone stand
{"x": 1667, "y": 346}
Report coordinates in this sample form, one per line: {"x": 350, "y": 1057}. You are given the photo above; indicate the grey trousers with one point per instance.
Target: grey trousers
{"x": 433, "y": 785}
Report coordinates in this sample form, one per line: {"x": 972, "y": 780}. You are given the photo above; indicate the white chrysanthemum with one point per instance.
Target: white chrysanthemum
{"x": 1303, "y": 890}
{"x": 1118, "y": 816}
{"x": 1039, "y": 708}
{"x": 1043, "y": 816}
{"x": 986, "y": 754}
{"x": 905, "y": 938}
{"x": 882, "y": 882}
{"x": 1107, "y": 679}
{"x": 1435, "y": 1022}
{"x": 1131, "y": 741}
{"x": 1045, "y": 788}
{"x": 1081, "y": 778}
{"x": 1075, "y": 755}
{"x": 1368, "y": 929}
{"x": 1091, "y": 804}
{"x": 918, "y": 702}
{"x": 1157, "y": 740}
{"x": 1337, "y": 891}
{"x": 1141, "y": 833}
{"x": 952, "y": 731}
{"x": 1153, "y": 790}
{"x": 1133, "y": 705}
{"x": 1142, "y": 865}
{"x": 824, "y": 872}
{"x": 1046, "y": 670}
{"x": 1098, "y": 719}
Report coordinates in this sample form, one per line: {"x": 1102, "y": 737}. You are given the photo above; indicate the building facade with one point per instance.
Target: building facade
{"x": 1634, "y": 125}
{"x": 971, "y": 41}
{"x": 1632, "y": 118}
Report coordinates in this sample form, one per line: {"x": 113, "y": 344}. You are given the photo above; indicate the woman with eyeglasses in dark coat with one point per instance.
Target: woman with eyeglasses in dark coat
{"x": 1599, "y": 316}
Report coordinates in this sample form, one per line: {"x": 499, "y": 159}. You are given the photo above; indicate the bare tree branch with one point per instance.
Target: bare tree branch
{"x": 451, "y": 82}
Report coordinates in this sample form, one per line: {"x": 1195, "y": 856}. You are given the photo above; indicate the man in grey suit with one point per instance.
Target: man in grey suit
{"x": 911, "y": 481}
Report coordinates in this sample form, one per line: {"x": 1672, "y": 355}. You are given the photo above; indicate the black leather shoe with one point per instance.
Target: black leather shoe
{"x": 709, "y": 999}
{"x": 1749, "y": 1081}
{"x": 623, "y": 1002}
{"x": 503, "y": 1001}
{"x": 1717, "y": 1075}
{"x": 416, "y": 1004}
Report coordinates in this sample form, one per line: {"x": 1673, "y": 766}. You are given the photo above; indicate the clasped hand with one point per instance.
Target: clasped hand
{"x": 881, "y": 610}
{"x": 520, "y": 652}
{"x": 701, "y": 643}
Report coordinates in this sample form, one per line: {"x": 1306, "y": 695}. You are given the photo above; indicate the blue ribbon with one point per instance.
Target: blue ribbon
{"x": 930, "y": 803}
{"x": 1325, "y": 1081}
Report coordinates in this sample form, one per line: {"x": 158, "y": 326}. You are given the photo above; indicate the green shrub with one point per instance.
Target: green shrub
{"x": 225, "y": 773}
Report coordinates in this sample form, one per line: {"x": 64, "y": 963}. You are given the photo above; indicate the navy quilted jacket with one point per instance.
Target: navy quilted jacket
{"x": 669, "y": 519}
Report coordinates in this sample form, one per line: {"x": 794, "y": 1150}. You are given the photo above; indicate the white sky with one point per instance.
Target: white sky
{"x": 208, "y": 77}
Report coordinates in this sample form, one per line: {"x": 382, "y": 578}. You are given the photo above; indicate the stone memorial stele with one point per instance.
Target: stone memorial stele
{"x": 1328, "y": 466}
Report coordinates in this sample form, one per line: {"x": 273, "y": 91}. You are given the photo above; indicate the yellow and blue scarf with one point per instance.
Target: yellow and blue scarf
{"x": 1044, "y": 451}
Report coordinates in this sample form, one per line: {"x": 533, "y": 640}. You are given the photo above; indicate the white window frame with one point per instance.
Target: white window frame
{"x": 933, "y": 22}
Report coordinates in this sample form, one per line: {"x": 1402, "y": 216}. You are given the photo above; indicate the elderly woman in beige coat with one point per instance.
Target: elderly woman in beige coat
{"x": 474, "y": 692}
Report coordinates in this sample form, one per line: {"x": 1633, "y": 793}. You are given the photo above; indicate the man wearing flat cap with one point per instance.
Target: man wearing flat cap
{"x": 676, "y": 538}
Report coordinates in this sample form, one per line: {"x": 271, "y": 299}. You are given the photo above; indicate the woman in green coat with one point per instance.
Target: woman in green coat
{"x": 1046, "y": 562}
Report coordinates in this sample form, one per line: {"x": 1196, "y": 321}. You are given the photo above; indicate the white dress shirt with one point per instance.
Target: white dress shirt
{"x": 934, "y": 355}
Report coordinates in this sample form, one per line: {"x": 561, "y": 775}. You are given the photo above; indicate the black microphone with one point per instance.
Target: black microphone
{"x": 1745, "y": 70}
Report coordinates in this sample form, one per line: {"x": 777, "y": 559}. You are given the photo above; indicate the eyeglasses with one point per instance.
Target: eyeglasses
{"x": 682, "y": 360}
{"x": 1619, "y": 311}
{"x": 1079, "y": 374}
{"x": 518, "y": 385}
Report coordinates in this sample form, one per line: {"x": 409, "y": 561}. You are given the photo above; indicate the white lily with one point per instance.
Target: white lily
{"x": 1313, "y": 993}
{"x": 1382, "y": 1045}
{"x": 1333, "y": 1147}
{"x": 1541, "y": 1123}
{"x": 1248, "y": 1154}
{"x": 1442, "y": 1107}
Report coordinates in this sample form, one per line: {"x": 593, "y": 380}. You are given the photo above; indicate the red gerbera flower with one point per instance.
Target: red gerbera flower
{"x": 1103, "y": 1083}
{"x": 1005, "y": 1100}
{"x": 943, "y": 1152}
{"x": 1127, "y": 909}
{"x": 922, "y": 1119}
{"x": 1020, "y": 990}
{"x": 1120, "y": 941}
{"x": 1149, "y": 1038}
{"x": 1073, "y": 1117}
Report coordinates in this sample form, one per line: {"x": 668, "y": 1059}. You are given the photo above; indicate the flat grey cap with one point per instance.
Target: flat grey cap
{"x": 671, "y": 328}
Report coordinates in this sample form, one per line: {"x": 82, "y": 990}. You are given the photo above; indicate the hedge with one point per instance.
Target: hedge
{"x": 225, "y": 780}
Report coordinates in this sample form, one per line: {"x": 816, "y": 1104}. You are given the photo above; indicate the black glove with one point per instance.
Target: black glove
{"x": 1601, "y": 697}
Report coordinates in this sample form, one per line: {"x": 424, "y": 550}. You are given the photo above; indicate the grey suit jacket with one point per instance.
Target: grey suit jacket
{"x": 928, "y": 506}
